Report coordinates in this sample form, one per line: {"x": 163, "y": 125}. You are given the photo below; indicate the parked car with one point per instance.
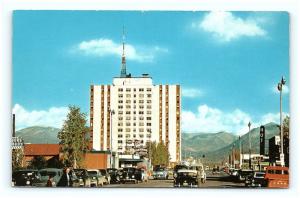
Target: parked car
{"x": 277, "y": 177}
{"x": 106, "y": 175}
{"x": 114, "y": 175}
{"x": 259, "y": 179}
{"x": 186, "y": 177}
{"x": 141, "y": 175}
{"x": 201, "y": 175}
{"x": 128, "y": 175}
{"x": 83, "y": 177}
{"x": 160, "y": 173}
{"x": 55, "y": 173}
{"x": 244, "y": 173}
{"x": 177, "y": 168}
{"x": 27, "y": 177}
{"x": 97, "y": 179}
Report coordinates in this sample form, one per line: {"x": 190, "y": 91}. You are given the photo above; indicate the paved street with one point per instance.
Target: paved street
{"x": 221, "y": 180}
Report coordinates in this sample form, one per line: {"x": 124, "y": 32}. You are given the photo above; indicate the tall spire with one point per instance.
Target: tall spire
{"x": 123, "y": 67}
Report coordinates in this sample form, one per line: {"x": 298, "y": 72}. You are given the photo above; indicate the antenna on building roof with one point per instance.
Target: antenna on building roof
{"x": 123, "y": 67}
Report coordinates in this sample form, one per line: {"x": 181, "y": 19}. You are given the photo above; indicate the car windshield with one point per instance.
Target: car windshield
{"x": 92, "y": 172}
{"x": 111, "y": 170}
{"x": 260, "y": 174}
{"x": 178, "y": 167}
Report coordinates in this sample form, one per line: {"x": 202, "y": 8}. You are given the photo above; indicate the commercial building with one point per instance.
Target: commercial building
{"x": 133, "y": 111}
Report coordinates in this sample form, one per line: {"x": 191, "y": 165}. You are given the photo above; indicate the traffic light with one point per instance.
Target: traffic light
{"x": 262, "y": 140}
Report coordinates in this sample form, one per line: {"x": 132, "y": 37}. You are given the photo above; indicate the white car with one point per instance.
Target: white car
{"x": 97, "y": 179}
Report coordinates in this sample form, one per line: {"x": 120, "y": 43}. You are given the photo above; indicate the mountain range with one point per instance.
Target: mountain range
{"x": 215, "y": 146}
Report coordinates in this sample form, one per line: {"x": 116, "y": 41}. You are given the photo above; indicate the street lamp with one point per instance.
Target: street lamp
{"x": 111, "y": 112}
{"x": 279, "y": 87}
{"x": 249, "y": 125}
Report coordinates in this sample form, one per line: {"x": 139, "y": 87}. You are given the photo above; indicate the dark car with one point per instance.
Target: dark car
{"x": 27, "y": 177}
{"x": 55, "y": 173}
{"x": 114, "y": 175}
{"x": 83, "y": 177}
{"x": 106, "y": 175}
{"x": 186, "y": 178}
{"x": 244, "y": 174}
{"x": 178, "y": 167}
{"x": 128, "y": 175}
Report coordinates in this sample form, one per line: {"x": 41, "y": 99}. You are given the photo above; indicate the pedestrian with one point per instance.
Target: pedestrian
{"x": 66, "y": 179}
{"x": 50, "y": 181}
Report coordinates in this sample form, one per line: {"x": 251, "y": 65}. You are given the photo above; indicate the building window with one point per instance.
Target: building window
{"x": 120, "y": 89}
{"x": 141, "y": 107}
{"x": 148, "y": 106}
{"x": 120, "y": 118}
{"x": 148, "y": 118}
{"x": 120, "y": 101}
{"x": 141, "y": 124}
{"x": 141, "y": 136}
{"x": 120, "y": 112}
{"x": 120, "y": 124}
{"x": 127, "y": 112}
{"x": 120, "y": 141}
{"x": 127, "y": 123}
{"x": 128, "y": 95}
{"x": 120, "y": 130}
{"x": 127, "y": 101}
{"x": 148, "y": 124}
{"x": 141, "y": 112}
{"x": 120, "y": 136}
{"x": 127, "y": 129}
{"x": 141, "y": 89}
{"x": 148, "y": 89}
{"x": 149, "y": 95}
{"x": 148, "y": 135}
{"x": 149, "y": 130}
{"x": 148, "y": 101}
{"x": 128, "y": 106}
{"x": 128, "y": 89}
{"x": 141, "y": 95}
{"x": 134, "y": 124}
{"x": 148, "y": 112}
{"x": 120, "y": 95}
{"x": 141, "y": 118}
{"x": 127, "y": 117}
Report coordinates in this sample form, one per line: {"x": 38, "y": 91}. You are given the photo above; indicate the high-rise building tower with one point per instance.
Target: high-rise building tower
{"x": 133, "y": 109}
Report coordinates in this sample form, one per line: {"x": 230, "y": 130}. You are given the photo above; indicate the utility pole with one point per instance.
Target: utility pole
{"x": 241, "y": 155}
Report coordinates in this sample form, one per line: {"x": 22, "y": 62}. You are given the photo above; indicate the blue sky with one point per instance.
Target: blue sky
{"x": 228, "y": 63}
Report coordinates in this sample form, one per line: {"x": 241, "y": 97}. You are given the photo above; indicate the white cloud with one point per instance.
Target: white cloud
{"x": 106, "y": 47}
{"x": 285, "y": 89}
{"x": 208, "y": 119}
{"x": 191, "y": 92}
{"x": 53, "y": 117}
{"x": 226, "y": 27}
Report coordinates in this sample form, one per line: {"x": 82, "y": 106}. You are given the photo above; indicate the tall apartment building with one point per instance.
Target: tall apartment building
{"x": 134, "y": 109}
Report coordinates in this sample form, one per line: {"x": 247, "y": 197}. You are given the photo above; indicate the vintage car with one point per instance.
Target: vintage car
{"x": 114, "y": 175}
{"x": 97, "y": 179}
{"x": 201, "y": 175}
{"x": 186, "y": 177}
{"x": 128, "y": 175}
{"x": 55, "y": 173}
{"x": 106, "y": 176}
{"x": 160, "y": 173}
{"x": 27, "y": 177}
{"x": 177, "y": 168}
{"x": 83, "y": 177}
{"x": 277, "y": 177}
{"x": 141, "y": 175}
{"x": 245, "y": 173}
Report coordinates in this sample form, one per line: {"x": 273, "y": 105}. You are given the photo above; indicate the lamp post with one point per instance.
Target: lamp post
{"x": 111, "y": 112}
{"x": 279, "y": 87}
{"x": 249, "y": 125}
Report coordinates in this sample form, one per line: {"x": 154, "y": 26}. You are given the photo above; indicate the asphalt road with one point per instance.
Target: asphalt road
{"x": 221, "y": 180}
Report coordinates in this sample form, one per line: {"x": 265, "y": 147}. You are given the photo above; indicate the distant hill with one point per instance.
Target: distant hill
{"x": 222, "y": 153}
{"x": 202, "y": 143}
{"x": 39, "y": 135}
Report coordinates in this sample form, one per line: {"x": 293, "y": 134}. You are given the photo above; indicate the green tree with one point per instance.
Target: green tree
{"x": 38, "y": 162}
{"x": 159, "y": 153}
{"x": 17, "y": 158}
{"x": 73, "y": 138}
